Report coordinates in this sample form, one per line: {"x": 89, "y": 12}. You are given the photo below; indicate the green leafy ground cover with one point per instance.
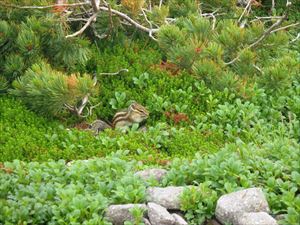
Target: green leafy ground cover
{"x": 27, "y": 136}
{"x": 241, "y": 121}
{"x": 240, "y": 141}
{"x": 78, "y": 194}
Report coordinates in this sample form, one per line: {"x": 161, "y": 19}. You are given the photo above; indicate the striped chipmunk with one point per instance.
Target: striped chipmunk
{"x": 123, "y": 119}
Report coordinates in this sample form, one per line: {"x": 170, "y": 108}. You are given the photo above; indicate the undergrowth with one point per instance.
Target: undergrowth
{"x": 56, "y": 193}
{"x": 27, "y": 136}
{"x": 221, "y": 137}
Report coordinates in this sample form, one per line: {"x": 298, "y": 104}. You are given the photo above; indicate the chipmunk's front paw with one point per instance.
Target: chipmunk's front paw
{"x": 143, "y": 128}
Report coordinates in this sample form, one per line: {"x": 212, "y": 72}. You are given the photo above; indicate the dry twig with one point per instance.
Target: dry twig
{"x": 285, "y": 27}
{"x": 264, "y": 35}
{"x": 128, "y": 19}
{"x": 115, "y": 73}
{"x": 45, "y": 6}
{"x": 86, "y": 25}
{"x": 296, "y": 38}
{"x": 246, "y": 9}
{"x": 273, "y": 5}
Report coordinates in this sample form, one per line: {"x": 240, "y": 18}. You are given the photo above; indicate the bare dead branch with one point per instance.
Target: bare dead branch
{"x": 111, "y": 23}
{"x": 150, "y": 24}
{"x": 273, "y": 5}
{"x": 296, "y": 38}
{"x": 78, "y": 110}
{"x": 92, "y": 107}
{"x": 45, "y": 6}
{"x": 84, "y": 101}
{"x": 93, "y": 17}
{"x": 86, "y": 25}
{"x": 76, "y": 19}
{"x": 263, "y": 36}
{"x": 95, "y": 5}
{"x": 128, "y": 19}
{"x": 115, "y": 73}
{"x": 286, "y": 27}
{"x": 212, "y": 15}
{"x": 265, "y": 18}
{"x": 160, "y": 3}
{"x": 257, "y": 68}
{"x": 248, "y": 7}
{"x": 119, "y": 14}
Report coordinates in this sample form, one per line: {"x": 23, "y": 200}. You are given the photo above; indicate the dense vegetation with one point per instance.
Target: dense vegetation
{"x": 78, "y": 194}
{"x": 218, "y": 125}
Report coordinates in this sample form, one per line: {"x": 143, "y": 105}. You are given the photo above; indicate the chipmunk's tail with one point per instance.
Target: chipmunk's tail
{"x": 99, "y": 125}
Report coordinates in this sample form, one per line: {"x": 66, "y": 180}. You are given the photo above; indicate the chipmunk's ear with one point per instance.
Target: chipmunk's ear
{"x": 133, "y": 105}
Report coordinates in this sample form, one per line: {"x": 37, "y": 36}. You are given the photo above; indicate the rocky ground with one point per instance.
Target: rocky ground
{"x": 245, "y": 207}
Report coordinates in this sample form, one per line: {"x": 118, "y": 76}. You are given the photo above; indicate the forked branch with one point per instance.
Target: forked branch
{"x": 78, "y": 110}
{"x": 270, "y": 30}
{"x": 45, "y": 6}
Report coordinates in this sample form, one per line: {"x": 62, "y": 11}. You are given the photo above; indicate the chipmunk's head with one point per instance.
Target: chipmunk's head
{"x": 138, "y": 113}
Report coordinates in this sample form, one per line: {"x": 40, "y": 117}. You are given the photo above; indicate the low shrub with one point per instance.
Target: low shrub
{"x": 56, "y": 193}
{"x": 27, "y": 136}
{"x": 273, "y": 166}
{"x": 48, "y": 91}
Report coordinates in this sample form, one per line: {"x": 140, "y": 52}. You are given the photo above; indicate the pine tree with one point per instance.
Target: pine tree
{"x": 48, "y": 91}
{"x": 194, "y": 45}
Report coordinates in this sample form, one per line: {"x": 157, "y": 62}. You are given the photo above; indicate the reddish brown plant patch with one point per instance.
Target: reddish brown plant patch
{"x": 172, "y": 68}
{"x": 6, "y": 170}
{"x": 177, "y": 117}
{"x": 81, "y": 126}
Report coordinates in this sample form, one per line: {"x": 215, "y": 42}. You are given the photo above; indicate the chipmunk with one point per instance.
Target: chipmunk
{"x": 135, "y": 113}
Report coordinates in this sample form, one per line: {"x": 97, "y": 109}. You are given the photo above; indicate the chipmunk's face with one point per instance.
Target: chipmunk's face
{"x": 138, "y": 113}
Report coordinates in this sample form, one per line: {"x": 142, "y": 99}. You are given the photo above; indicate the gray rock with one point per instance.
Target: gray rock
{"x": 156, "y": 174}
{"x": 118, "y": 214}
{"x": 159, "y": 215}
{"x": 256, "y": 218}
{"x": 280, "y": 217}
{"x": 176, "y": 211}
{"x": 212, "y": 222}
{"x": 179, "y": 220}
{"x": 168, "y": 197}
{"x": 146, "y": 222}
{"x": 231, "y": 206}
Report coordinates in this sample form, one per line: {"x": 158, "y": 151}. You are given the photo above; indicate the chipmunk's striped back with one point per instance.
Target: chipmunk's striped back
{"x": 135, "y": 113}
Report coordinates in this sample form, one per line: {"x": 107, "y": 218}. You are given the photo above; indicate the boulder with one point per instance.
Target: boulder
{"x": 256, "y": 218}
{"x": 179, "y": 220}
{"x": 156, "y": 174}
{"x": 280, "y": 217}
{"x": 168, "y": 197}
{"x": 146, "y": 222}
{"x": 159, "y": 215}
{"x": 212, "y": 222}
{"x": 118, "y": 214}
{"x": 231, "y": 206}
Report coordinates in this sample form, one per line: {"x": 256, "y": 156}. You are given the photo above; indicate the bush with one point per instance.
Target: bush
{"x": 54, "y": 193}
{"x": 272, "y": 166}
{"x": 26, "y": 136}
{"x": 48, "y": 91}
{"x": 193, "y": 44}
{"x": 38, "y": 37}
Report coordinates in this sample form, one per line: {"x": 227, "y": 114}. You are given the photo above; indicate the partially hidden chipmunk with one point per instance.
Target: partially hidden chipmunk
{"x": 135, "y": 113}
